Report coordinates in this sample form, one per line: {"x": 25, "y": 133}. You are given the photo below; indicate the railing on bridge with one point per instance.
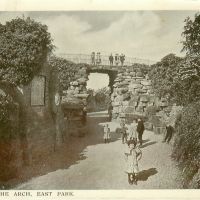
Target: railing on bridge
{"x": 86, "y": 58}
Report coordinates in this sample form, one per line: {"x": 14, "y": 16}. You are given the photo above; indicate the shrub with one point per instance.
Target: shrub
{"x": 187, "y": 141}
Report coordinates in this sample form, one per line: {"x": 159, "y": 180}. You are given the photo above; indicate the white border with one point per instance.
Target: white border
{"x": 53, "y": 5}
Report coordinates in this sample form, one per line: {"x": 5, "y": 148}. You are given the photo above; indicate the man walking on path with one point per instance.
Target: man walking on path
{"x": 140, "y": 130}
{"x": 169, "y": 133}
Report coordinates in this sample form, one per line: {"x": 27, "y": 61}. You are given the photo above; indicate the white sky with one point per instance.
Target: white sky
{"x": 94, "y": 83}
{"x": 143, "y": 34}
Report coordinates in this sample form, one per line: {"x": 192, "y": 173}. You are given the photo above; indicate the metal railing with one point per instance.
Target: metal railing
{"x": 87, "y": 59}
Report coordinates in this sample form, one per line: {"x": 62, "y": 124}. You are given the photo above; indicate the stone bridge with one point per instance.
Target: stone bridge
{"x": 131, "y": 92}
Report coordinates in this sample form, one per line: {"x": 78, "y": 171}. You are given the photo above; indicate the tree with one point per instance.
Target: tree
{"x": 191, "y": 45}
{"x": 164, "y": 76}
{"x": 24, "y": 47}
{"x": 66, "y": 70}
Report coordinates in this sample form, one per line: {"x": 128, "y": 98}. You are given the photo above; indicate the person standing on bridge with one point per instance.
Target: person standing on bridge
{"x": 122, "y": 59}
{"x": 93, "y": 58}
{"x": 111, "y": 59}
{"x": 98, "y": 59}
{"x": 116, "y": 59}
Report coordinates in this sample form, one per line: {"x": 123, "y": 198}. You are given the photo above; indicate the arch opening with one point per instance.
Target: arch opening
{"x": 98, "y": 87}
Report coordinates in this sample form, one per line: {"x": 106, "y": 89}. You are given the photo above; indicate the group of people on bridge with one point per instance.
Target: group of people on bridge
{"x": 113, "y": 60}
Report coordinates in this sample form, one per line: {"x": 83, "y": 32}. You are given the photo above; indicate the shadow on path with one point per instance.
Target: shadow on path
{"x": 145, "y": 174}
{"x": 148, "y": 144}
{"x": 73, "y": 150}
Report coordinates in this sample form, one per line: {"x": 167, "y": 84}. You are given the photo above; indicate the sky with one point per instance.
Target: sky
{"x": 94, "y": 83}
{"x": 143, "y": 34}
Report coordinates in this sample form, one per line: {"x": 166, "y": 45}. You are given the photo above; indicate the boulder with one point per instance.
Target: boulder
{"x": 82, "y": 81}
{"x": 129, "y": 109}
{"x": 146, "y": 83}
{"x": 74, "y": 83}
{"x": 139, "y": 74}
{"x": 144, "y": 98}
{"x": 81, "y": 95}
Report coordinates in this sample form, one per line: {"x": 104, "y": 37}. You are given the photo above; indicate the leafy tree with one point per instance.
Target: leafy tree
{"x": 164, "y": 75}
{"x": 66, "y": 70}
{"x": 191, "y": 45}
{"x": 24, "y": 47}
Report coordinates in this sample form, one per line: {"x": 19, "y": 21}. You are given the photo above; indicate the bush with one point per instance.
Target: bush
{"x": 187, "y": 141}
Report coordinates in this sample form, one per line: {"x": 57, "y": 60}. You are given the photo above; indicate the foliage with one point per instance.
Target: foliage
{"x": 164, "y": 76}
{"x": 99, "y": 100}
{"x": 67, "y": 70}
{"x": 186, "y": 148}
{"x": 179, "y": 80}
{"x": 6, "y": 105}
{"x": 24, "y": 48}
{"x": 7, "y": 114}
{"x": 191, "y": 42}
{"x": 102, "y": 96}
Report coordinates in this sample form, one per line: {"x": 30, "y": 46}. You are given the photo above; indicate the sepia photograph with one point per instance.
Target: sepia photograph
{"x": 99, "y": 100}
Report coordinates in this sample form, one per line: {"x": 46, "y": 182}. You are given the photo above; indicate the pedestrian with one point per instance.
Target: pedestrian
{"x": 122, "y": 59}
{"x": 123, "y": 131}
{"x": 111, "y": 59}
{"x": 169, "y": 133}
{"x": 133, "y": 131}
{"x": 93, "y": 58}
{"x": 133, "y": 155}
{"x": 116, "y": 59}
{"x": 84, "y": 115}
{"x": 98, "y": 59}
{"x": 140, "y": 130}
{"x": 106, "y": 135}
{"x": 110, "y": 108}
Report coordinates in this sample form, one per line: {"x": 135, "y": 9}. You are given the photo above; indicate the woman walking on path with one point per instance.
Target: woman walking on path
{"x": 133, "y": 155}
{"x": 133, "y": 131}
{"x": 140, "y": 130}
{"x": 106, "y": 135}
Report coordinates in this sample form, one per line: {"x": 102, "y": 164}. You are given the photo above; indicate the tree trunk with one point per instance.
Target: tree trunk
{"x": 23, "y": 113}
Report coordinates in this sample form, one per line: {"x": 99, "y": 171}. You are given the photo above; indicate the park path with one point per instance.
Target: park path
{"x": 101, "y": 166}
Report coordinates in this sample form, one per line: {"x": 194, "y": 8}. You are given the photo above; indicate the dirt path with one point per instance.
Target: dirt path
{"x": 101, "y": 166}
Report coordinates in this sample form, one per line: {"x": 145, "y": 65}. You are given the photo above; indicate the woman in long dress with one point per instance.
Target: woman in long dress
{"x": 132, "y": 131}
{"x": 133, "y": 155}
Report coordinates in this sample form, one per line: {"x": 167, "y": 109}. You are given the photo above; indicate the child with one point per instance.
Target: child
{"x": 123, "y": 131}
{"x": 133, "y": 155}
{"x": 106, "y": 135}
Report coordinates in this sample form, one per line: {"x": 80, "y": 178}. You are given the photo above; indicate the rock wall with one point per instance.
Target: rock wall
{"x": 132, "y": 94}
